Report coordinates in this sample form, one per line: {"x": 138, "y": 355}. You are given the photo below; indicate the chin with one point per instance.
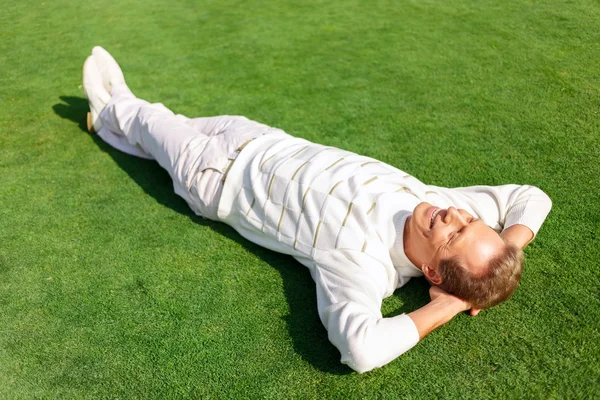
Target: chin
{"x": 420, "y": 219}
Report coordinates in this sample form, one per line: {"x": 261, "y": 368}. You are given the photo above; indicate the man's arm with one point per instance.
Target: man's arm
{"x": 349, "y": 299}
{"x": 349, "y": 302}
{"x": 518, "y": 210}
{"x": 440, "y": 310}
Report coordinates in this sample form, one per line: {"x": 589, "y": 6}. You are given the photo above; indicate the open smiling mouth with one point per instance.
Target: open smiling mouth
{"x": 435, "y": 213}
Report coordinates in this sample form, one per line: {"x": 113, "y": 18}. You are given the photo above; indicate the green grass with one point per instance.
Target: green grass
{"x": 111, "y": 288}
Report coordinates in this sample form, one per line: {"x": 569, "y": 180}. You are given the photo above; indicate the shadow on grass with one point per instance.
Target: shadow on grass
{"x": 308, "y": 334}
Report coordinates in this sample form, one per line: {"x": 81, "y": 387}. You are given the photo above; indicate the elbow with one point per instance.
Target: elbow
{"x": 356, "y": 339}
{"x": 366, "y": 351}
{"x": 543, "y": 201}
{"x": 548, "y": 202}
{"x": 360, "y": 359}
{"x": 367, "y": 342}
{"x": 544, "y": 196}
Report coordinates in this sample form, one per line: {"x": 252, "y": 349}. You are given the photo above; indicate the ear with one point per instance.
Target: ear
{"x": 431, "y": 274}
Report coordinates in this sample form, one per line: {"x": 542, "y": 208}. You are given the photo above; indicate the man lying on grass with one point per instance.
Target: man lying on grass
{"x": 363, "y": 228}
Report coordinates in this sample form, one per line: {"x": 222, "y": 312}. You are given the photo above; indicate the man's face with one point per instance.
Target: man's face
{"x": 432, "y": 234}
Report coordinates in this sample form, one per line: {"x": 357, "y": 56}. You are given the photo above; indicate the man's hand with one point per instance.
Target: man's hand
{"x": 441, "y": 309}
{"x": 436, "y": 292}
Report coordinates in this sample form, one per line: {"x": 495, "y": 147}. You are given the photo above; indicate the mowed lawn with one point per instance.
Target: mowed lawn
{"x": 110, "y": 287}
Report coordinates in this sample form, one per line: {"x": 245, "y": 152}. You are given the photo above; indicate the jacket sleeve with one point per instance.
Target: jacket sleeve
{"x": 504, "y": 206}
{"x": 349, "y": 295}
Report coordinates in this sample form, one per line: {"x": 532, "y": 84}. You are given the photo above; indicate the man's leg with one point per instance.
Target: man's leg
{"x": 147, "y": 130}
{"x": 191, "y": 150}
{"x": 152, "y": 127}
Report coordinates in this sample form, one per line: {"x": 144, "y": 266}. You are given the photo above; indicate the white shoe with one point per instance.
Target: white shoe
{"x": 109, "y": 69}
{"x": 97, "y": 94}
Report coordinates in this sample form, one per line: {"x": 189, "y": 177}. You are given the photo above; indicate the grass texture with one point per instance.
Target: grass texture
{"x": 110, "y": 287}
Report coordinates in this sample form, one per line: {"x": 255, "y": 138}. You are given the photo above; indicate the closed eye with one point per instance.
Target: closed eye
{"x": 453, "y": 236}
{"x": 460, "y": 231}
{"x": 456, "y": 233}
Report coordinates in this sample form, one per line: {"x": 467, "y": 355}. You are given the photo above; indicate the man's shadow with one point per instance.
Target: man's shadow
{"x": 308, "y": 334}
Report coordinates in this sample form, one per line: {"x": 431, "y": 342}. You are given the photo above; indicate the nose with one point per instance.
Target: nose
{"x": 454, "y": 216}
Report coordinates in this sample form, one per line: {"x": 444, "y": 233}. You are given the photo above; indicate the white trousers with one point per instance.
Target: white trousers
{"x": 195, "y": 152}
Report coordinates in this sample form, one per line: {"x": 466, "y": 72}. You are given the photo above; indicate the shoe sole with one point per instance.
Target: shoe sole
{"x": 90, "y": 125}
